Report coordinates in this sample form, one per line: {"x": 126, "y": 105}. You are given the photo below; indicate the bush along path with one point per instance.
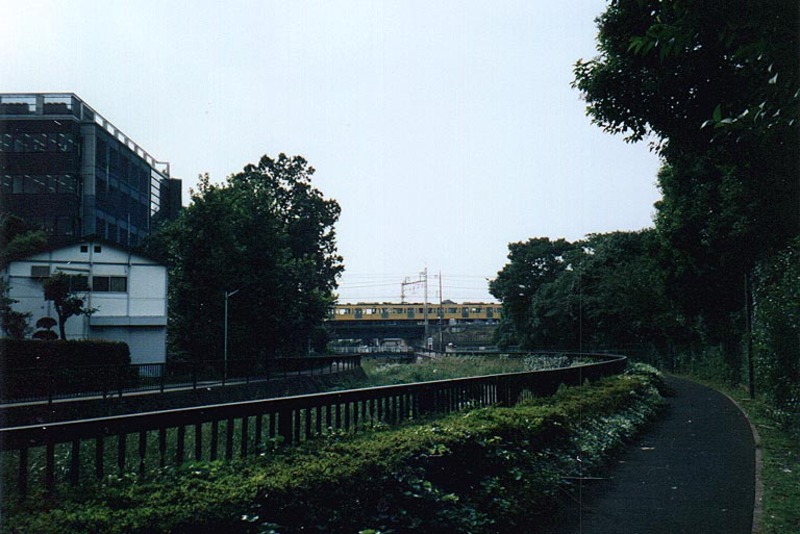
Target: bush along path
{"x": 485, "y": 470}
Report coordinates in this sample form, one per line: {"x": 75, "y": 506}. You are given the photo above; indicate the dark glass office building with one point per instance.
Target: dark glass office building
{"x": 68, "y": 170}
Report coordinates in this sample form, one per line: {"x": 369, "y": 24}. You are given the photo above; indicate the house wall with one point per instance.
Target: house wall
{"x": 137, "y": 316}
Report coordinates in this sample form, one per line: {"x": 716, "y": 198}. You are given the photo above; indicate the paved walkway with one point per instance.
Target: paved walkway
{"x": 692, "y": 472}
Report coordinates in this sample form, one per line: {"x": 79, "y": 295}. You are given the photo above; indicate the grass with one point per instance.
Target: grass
{"x": 384, "y": 372}
{"x": 780, "y": 456}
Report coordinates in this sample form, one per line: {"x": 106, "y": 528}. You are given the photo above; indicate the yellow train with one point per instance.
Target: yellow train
{"x": 448, "y": 312}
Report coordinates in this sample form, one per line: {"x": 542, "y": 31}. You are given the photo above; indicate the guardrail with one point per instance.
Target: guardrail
{"x": 93, "y": 447}
{"x": 48, "y": 384}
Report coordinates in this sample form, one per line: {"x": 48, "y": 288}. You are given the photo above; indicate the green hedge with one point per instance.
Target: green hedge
{"x": 486, "y": 470}
{"x": 32, "y": 368}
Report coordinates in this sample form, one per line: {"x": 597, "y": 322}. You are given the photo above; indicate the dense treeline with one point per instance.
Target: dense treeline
{"x": 606, "y": 291}
{"x": 716, "y": 91}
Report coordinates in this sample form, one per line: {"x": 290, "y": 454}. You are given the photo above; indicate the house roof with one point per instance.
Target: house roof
{"x": 46, "y": 251}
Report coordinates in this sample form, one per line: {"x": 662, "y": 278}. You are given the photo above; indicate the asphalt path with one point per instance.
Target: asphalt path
{"x": 691, "y": 472}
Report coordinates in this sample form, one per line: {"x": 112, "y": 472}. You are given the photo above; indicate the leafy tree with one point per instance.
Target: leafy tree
{"x": 603, "y": 292}
{"x": 63, "y": 291}
{"x": 532, "y": 264}
{"x": 694, "y": 72}
{"x": 266, "y": 232}
{"x": 717, "y": 91}
{"x": 624, "y": 297}
{"x": 17, "y": 239}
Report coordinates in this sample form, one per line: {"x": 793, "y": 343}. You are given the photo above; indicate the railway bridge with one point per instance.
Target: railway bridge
{"x": 470, "y": 323}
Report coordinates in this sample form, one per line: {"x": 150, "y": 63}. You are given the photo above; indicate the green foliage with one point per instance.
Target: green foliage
{"x": 383, "y": 373}
{"x": 32, "y": 368}
{"x": 266, "y": 232}
{"x": 14, "y": 323}
{"x": 668, "y": 68}
{"x": 46, "y": 323}
{"x": 606, "y": 291}
{"x": 717, "y": 91}
{"x": 532, "y": 267}
{"x": 44, "y": 329}
{"x": 487, "y": 470}
{"x": 777, "y": 330}
{"x": 18, "y": 240}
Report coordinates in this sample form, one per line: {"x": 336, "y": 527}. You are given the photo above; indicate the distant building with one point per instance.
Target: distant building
{"x": 128, "y": 291}
{"x": 67, "y": 170}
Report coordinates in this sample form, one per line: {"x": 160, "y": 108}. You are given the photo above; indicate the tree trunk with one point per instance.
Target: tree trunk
{"x": 62, "y": 321}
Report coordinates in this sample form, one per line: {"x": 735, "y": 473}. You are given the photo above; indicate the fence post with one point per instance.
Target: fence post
{"x": 120, "y": 379}
{"x": 285, "y": 425}
{"x": 50, "y": 384}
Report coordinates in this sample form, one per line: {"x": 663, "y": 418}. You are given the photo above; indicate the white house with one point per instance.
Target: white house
{"x": 128, "y": 292}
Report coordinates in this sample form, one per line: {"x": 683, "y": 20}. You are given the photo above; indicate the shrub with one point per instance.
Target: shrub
{"x": 487, "y": 470}
{"x": 777, "y": 330}
{"x": 35, "y": 368}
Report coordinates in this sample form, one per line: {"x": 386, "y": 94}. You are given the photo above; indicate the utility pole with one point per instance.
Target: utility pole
{"x": 441, "y": 315}
{"x": 427, "y": 328}
{"x": 228, "y": 294}
{"x": 423, "y": 279}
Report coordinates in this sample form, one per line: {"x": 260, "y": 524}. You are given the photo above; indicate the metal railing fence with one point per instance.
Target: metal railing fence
{"x": 71, "y": 452}
{"x": 40, "y": 383}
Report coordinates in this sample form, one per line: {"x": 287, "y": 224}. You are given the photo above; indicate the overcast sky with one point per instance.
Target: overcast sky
{"x": 445, "y": 130}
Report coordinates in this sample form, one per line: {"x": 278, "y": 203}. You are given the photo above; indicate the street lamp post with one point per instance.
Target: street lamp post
{"x": 228, "y": 294}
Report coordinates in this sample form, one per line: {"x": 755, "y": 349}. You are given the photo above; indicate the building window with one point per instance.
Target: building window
{"x": 113, "y": 284}
{"x": 37, "y": 142}
{"x": 40, "y": 271}
{"x": 77, "y": 282}
{"x": 84, "y": 248}
{"x": 98, "y": 249}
